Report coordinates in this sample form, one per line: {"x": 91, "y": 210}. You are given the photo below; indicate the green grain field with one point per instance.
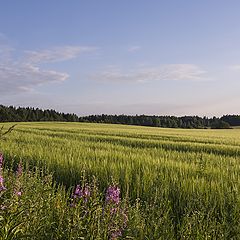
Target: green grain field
{"x": 186, "y": 182}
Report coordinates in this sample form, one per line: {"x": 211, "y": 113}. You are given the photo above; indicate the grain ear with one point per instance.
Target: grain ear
{"x": 2, "y": 133}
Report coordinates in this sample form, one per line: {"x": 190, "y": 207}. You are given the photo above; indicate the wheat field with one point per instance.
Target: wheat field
{"x": 186, "y": 181}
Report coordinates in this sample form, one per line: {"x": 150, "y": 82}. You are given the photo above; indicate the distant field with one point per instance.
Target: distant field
{"x": 193, "y": 176}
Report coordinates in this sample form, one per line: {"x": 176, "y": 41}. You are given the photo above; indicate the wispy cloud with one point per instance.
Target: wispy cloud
{"x": 134, "y": 48}
{"x": 17, "y": 77}
{"x": 57, "y": 54}
{"x": 24, "y": 74}
{"x": 234, "y": 67}
{"x": 170, "y": 72}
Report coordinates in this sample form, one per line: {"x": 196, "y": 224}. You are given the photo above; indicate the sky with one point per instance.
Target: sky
{"x": 154, "y": 57}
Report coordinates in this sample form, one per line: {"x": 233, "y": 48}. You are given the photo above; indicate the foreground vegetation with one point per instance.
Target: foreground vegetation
{"x": 173, "y": 183}
{"x": 33, "y": 207}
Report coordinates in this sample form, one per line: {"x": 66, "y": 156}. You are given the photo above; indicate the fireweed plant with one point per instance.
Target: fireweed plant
{"x": 32, "y": 206}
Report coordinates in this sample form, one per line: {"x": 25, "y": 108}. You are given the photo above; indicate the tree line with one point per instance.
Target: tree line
{"x": 160, "y": 121}
{"x": 29, "y": 114}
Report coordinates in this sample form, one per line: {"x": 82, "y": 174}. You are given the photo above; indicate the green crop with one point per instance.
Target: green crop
{"x": 181, "y": 184}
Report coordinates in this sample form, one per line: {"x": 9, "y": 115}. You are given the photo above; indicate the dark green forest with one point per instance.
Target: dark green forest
{"x": 29, "y": 114}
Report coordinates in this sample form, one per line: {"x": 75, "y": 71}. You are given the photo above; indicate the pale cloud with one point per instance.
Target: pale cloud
{"x": 134, "y": 48}
{"x": 25, "y": 74}
{"x": 235, "y": 67}
{"x": 168, "y": 72}
{"x": 57, "y": 54}
{"x": 18, "y": 77}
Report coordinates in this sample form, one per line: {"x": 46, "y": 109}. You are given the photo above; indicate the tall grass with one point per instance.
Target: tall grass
{"x": 179, "y": 184}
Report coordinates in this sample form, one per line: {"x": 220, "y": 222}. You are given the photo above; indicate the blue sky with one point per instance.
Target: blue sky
{"x": 132, "y": 57}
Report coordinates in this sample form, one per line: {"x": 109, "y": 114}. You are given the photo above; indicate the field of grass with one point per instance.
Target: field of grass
{"x": 184, "y": 183}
